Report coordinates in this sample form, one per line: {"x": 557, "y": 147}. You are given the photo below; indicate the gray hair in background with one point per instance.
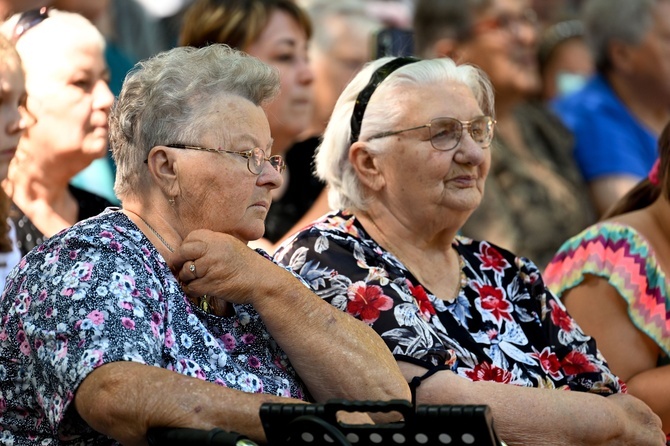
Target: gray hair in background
{"x": 163, "y": 96}
{"x": 352, "y": 12}
{"x": 52, "y": 27}
{"x": 382, "y": 114}
{"x": 606, "y": 21}
{"x": 440, "y": 19}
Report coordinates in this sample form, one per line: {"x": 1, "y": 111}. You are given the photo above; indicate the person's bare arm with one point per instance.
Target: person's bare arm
{"x": 124, "y": 399}
{"x": 608, "y": 190}
{"x": 334, "y": 354}
{"x": 631, "y": 354}
{"x": 652, "y": 387}
{"x": 532, "y": 416}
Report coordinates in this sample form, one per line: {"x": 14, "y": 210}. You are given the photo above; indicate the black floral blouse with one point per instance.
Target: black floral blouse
{"x": 504, "y": 326}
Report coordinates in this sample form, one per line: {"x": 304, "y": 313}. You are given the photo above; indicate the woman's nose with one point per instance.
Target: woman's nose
{"x": 21, "y": 120}
{"x": 269, "y": 176}
{"x": 104, "y": 98}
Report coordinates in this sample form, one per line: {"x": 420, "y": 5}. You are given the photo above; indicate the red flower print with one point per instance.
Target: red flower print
{"x": 493, "y": 300}
{"x": 575, "y": 363}
{"x": 491, "y": 259}
{"x": 489, "y": 372}
{"x": 426, "y": 308}
{"x": 560, "y": 317}
{"x": 367, "y": 301}
{"x": 549, "y": 362}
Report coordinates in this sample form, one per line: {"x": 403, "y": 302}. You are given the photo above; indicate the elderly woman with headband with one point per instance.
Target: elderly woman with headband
{"x": 614, "y": 278}
{"x": 406, "y": 156}
{"x": 158, "y": 314}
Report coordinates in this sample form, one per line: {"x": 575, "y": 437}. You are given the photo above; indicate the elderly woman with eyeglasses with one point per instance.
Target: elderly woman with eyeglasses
{"x": 158, "y": 314}
{"x": 406, "y": 155}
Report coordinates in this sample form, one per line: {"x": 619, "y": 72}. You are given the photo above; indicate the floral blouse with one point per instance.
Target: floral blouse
{"x": 100, "y": 292}
{"x": 504, "y": 326}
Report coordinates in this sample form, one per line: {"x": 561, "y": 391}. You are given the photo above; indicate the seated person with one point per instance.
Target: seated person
{"x": 619, "y": 114}
{"x": 14, "y": 119}
{"x": 278, "y": 33}
{"x": 614, "y": 278}
{"x": 564, "y": 59}
{"x": 535, "y": 196}
{"x": 406, "y": 155}
{"x": 159, "y": 314}
{"x": 66, "y": 81}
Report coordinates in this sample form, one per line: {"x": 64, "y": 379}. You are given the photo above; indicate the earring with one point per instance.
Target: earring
{"x": 171, "y": 201}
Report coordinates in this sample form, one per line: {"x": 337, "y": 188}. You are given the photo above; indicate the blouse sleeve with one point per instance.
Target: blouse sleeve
{"x": 78, "y": 305}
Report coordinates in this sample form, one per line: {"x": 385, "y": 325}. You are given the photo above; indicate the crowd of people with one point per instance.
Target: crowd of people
{"x": 296, "y": 216}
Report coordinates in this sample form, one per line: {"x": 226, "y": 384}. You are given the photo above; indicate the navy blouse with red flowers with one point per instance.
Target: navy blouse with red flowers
{"x": 504, "y": 325}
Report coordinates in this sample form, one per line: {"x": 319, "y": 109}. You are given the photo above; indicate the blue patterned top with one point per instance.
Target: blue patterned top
{"x": 100, "y": 292}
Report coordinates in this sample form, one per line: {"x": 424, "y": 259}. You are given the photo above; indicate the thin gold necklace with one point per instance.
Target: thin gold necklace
{"x": 167, "y": 245}
{"x": 462, "y": 278}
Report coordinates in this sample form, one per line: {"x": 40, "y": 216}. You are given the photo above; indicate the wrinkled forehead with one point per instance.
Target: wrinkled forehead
{"x": 231, "y": 119}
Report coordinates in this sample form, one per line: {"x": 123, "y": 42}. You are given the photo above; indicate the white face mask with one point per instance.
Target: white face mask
{"x": 567, "y": 82}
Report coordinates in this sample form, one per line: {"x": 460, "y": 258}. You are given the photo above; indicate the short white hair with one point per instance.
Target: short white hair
{"x": 332, "y": 158}
{"x": 58, "y": 23}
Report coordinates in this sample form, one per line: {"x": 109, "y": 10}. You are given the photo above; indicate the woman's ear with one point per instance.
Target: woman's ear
{"x": 447, "y": 47}
{"x": 366, "y": 165}
{"x": 164, "y": 169}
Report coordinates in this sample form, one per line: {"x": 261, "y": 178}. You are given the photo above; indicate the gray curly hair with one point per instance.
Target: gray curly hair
{"x": 332, "y": 158}
{"x": 163, "y": 96}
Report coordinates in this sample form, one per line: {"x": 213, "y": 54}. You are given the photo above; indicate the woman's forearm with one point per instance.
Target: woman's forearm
{"x": 653, "y": 387}
{"x": 124, "y": 399}
{"x": 325, "y": 344}
{"x": 532, "y": 416}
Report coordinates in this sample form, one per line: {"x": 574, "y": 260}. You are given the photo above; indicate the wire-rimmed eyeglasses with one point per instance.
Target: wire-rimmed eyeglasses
{"x": 29, "y": 19}
{"x": 446, "y": 133}
{"x": 255, "y": 157}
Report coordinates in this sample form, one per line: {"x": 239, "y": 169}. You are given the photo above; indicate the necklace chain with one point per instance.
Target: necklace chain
{"x": 462, "y": 278}
{"x": 167, "y": 245}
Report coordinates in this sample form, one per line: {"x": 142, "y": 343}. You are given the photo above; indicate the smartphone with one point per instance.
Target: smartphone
{"x": 393, "y": 42}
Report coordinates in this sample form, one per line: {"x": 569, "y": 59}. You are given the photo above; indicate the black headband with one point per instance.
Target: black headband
{"x": 364, "y": 96}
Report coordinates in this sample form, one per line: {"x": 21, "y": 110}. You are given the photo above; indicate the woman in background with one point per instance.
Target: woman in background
{"x": 66, "y": 81}
{"x": 14, "y": 119}
{"x": 614, "y": 279}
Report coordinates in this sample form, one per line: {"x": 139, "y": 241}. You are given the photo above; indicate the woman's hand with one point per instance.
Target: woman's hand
{"x": 222, "y": 267}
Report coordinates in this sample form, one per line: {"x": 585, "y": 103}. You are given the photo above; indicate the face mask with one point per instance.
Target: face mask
{"x": 569, "y": 82}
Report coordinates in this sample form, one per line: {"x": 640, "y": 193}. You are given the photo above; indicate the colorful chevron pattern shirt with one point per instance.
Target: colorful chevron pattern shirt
{"x": 621, "y": 255}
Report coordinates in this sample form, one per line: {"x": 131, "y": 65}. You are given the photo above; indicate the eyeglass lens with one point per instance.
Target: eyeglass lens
{"x": 258, "y": 158}
{"x": 446, "y": 133}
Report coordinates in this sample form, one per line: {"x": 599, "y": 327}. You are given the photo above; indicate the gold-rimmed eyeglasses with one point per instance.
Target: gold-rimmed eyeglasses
{"x": 446, "y": 133}
{"x": 255, "y": 157}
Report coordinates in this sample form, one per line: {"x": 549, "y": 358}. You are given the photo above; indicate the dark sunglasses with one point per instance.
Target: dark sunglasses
{"x": 28, "y": 20}
{"x": 364, "y": 96}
